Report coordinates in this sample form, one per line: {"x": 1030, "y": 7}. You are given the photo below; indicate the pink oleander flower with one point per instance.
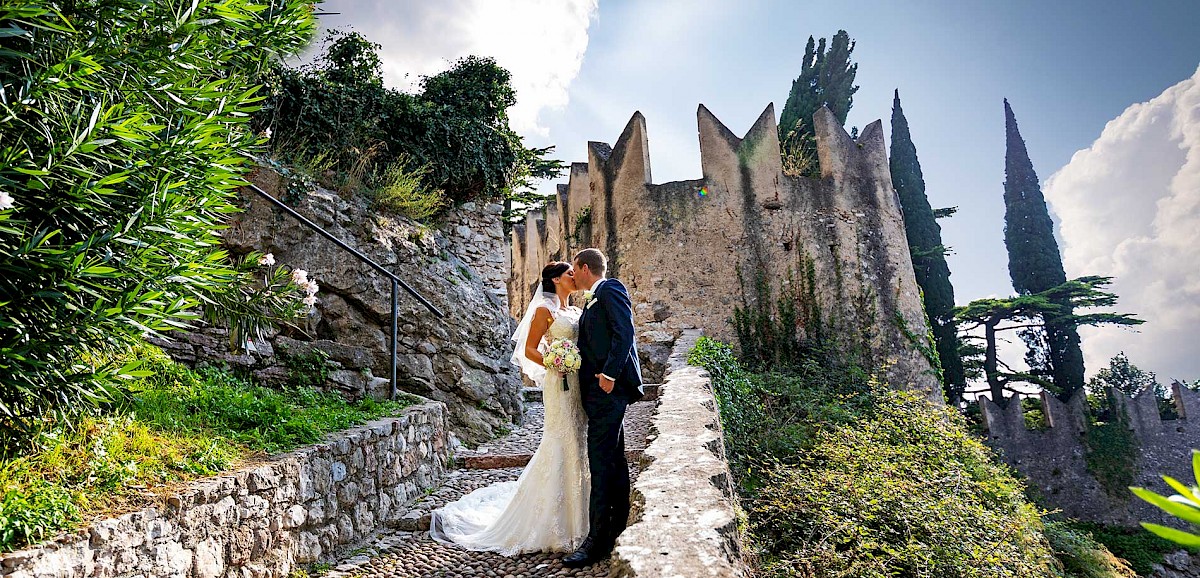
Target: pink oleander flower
{"x": 6, "y": 201}
{"x": 310, "y": 287}
{"x": 266, "y": 260}
{"x": 310, "y": 300}
{"x": 299, "y": 276}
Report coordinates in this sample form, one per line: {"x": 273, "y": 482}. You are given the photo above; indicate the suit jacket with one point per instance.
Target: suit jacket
{"x": 607, "y": 345}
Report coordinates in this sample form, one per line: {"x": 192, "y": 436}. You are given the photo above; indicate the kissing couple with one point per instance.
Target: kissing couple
{"x": 558, "y": 505}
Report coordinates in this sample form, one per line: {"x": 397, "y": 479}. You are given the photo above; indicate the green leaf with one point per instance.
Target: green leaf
{"x": 1178, "y": 536}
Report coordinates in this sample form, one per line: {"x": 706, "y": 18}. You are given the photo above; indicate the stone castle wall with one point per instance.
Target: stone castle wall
{"x": 689, "y": 250}
{"x": 1054, "y": 460}
{"x": 266, "y": 520}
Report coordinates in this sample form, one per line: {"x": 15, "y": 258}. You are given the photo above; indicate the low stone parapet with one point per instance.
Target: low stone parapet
{"x": 684, "y": 500}
{"x": 264, "y": 520}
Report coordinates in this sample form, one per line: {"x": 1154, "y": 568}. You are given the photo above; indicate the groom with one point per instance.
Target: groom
{"x": 610, "y": 378}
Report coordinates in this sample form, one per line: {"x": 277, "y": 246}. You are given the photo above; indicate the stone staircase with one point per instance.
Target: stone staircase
{"x": 407, "y": 550}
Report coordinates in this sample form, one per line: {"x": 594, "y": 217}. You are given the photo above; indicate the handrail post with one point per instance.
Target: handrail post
{"x": 395, "y": 320}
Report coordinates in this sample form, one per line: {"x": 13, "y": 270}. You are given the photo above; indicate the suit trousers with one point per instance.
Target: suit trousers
{"x": 609, "y": 500}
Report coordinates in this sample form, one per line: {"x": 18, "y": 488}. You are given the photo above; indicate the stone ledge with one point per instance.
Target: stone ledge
{"x": 265, "y": 519}
{"x": 686, "y": 514}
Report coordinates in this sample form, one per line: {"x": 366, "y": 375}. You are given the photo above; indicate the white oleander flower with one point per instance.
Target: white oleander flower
{"x": 310, "y": 300}
{"x": 266, "y": 260}
{"x": 299, "y": 276}
{"x": 267, "y": 133}
{"x": 310, "y": 287}
{"x": 6, "y": 201}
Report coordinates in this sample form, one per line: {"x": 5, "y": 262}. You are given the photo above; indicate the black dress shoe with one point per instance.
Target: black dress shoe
{"x": 580, "y": 557}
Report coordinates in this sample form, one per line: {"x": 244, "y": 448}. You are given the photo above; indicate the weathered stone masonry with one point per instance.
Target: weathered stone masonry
{"x": 264, "y": 520}
{"x": 1055, "y": 464}
{"x": 689, "y": 250}
{"x": 685, "y": 514}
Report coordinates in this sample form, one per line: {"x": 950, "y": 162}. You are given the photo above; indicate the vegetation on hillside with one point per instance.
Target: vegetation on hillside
{"x": 175, "y": 424}
{"x": 415, "y": 153}
{"x": 840, "y": 475}
{"x": 124, "y": 128}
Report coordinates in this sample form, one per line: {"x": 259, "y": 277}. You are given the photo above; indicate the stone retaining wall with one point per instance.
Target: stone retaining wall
{"x": 262, "y": 521}
{"x": 684, "y": 499}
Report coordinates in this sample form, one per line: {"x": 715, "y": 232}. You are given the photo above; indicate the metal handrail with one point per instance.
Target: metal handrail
{"x": 396, "y": 281}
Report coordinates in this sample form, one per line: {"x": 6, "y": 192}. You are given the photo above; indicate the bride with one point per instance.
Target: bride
{"x": 546, "y": 509}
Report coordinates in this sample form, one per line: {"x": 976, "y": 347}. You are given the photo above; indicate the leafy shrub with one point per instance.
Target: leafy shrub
{"x": 456, "y": 127}
{"x": 841, "y": 476}
{"x": 403, "y": 192}
{"x": 906, "y": 493}
{"x": 775, "y": 416}
{"x": 1082, "y": 555}
{"x": 123, "y": 124}
{"x": 1141, "y": 549}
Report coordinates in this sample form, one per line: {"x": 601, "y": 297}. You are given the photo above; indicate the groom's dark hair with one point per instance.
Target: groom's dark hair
{"x": 594, "y": 259}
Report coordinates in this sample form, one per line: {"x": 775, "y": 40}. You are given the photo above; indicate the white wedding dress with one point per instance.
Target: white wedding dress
{"x": 546, "y": 509}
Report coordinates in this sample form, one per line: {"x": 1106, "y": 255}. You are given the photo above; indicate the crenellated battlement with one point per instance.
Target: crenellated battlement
{"x": 1054, "y": 459}
{"x": 691, "y": 251}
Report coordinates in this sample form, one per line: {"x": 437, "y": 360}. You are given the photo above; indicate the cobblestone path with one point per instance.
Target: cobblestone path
{"x": 409, "y": 552}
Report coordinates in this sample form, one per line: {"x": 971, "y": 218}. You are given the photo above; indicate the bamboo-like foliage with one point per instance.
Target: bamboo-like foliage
{"x": 123, "y": 126}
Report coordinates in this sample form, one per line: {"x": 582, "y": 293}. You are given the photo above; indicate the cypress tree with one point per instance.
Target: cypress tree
{"x": 826, "y": 79}
{"x": 1035, "y": 263}
{"x": 928, "y": 253}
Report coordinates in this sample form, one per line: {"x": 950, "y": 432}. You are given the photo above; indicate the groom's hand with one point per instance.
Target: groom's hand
{"x": 605, "y": 383}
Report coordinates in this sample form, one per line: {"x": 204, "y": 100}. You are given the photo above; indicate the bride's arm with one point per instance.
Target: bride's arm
{"x": 537, "y": 329}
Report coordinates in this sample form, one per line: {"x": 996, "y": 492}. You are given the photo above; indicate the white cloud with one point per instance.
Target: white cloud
{"x": 541, "y": 42}
{"x": 1130, "y": 208}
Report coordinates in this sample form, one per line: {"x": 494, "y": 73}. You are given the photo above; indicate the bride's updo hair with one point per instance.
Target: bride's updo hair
{"x": 551, "y": 272}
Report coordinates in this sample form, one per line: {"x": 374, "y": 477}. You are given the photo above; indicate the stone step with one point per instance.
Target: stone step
{"x": 534, "y": 394}
{"x": 498, "y": 461}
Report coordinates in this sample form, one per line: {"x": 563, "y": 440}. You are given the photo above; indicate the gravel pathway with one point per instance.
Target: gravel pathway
{"x": 410, "y": 552}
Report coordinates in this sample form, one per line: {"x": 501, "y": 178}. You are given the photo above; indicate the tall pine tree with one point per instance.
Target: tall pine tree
{"x": 1035, "y": 263}
{"x": 826, "y": 79}
{"x": 928, "y": 253}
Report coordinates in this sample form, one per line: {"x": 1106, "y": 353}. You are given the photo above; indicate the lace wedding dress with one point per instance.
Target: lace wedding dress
{"x": 546, "y": 509}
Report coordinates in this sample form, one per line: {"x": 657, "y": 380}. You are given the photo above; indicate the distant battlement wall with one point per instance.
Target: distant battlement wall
{"x": 692, "y": 251}
{"x": 1054, "y": 459}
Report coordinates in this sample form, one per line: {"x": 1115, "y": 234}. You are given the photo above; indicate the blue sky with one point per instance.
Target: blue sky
{"x": 1067, "y": 67}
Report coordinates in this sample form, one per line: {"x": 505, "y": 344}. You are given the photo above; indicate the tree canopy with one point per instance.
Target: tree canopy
{"x": 928, "y": 254}
{"x": 1055, "y": 306}
{"x": 1035, "y": 264}
{"x": 826, "y": 79}
{"x": 455, "y": 130}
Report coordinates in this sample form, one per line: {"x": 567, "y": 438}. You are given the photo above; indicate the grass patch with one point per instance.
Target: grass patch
{"x": 172, "y": 426}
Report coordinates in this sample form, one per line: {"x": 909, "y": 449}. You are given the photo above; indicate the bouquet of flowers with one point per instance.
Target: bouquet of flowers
{"x": 562, "y": 356}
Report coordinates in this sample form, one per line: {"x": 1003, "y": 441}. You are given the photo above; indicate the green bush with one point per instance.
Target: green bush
{"x": 905, "y": 493}
{"x": 841, "y": 476}
{"x": 456, "y": 127}
{"x": 1082, "y": 555}
{"x": 1141, "y": 549}
{"x": 124, "y": 133}
{"x": 403, "y": 192}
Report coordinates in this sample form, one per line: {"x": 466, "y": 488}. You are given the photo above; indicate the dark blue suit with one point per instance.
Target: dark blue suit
{"x": 606, "y": 344}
